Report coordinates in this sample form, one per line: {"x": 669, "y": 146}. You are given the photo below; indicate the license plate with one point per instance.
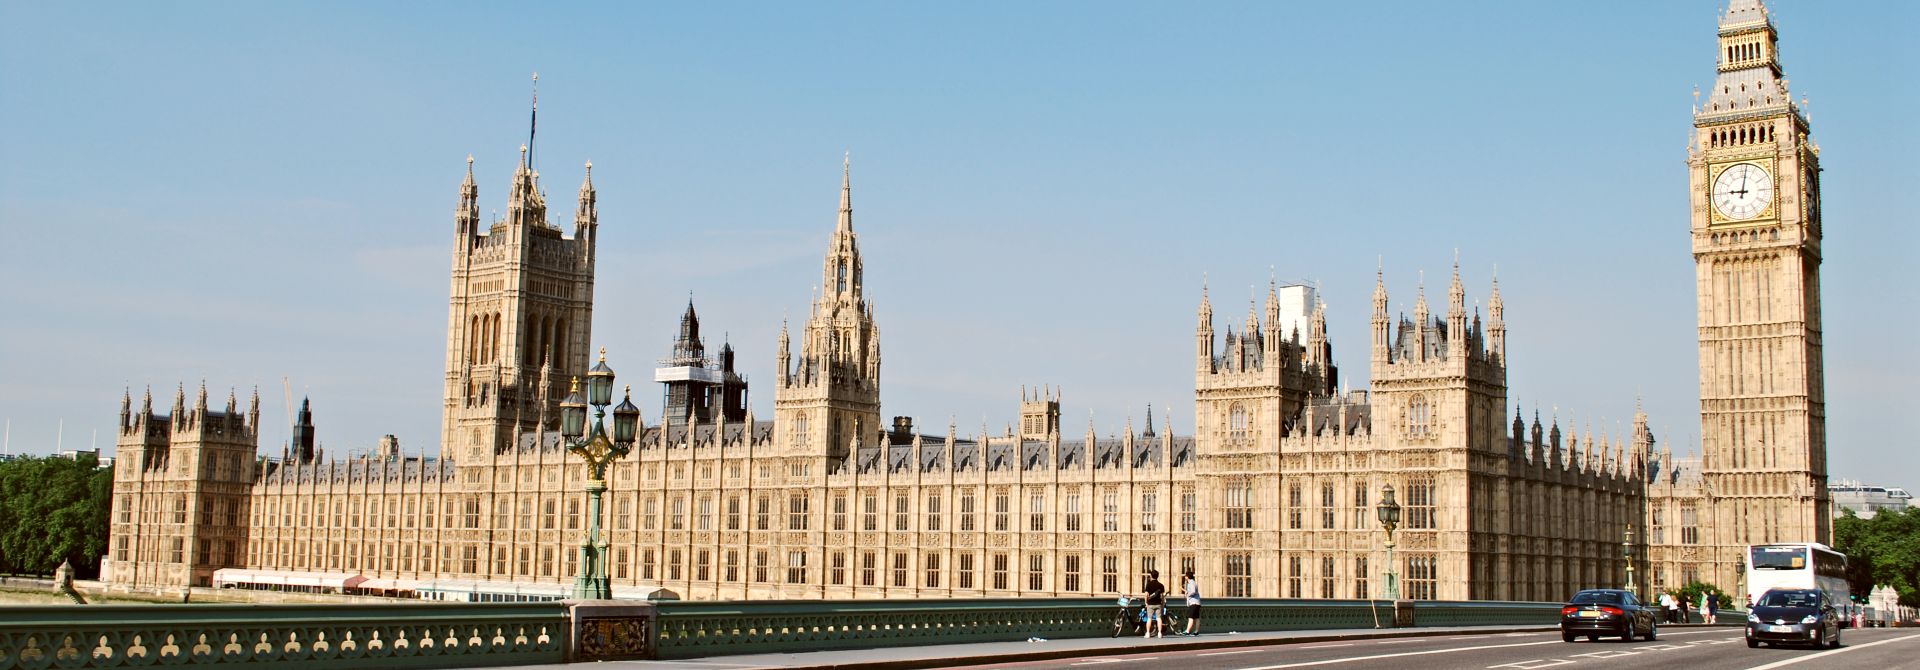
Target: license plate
{"x": 1780, "y": 629}
{"x": 1589, "y": 614}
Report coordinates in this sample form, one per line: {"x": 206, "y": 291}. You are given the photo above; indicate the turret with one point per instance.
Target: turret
{"x": 785, "y": 354}
{"x": 1420, "y": 322}
{"x": 1553, "y": 443}
{"x": 1496, "y": 326}
{"x": 1203, "y": 334}
{"x": 1457, "y": 335}
{"x": 1517, "y": 445}
{"x": 1273, "y": 334}
{"x": 586, "y": 217}
{"x": 301, "y": 441}
{"x": 1382, "y": 348}
{"x": 466, "y": 215}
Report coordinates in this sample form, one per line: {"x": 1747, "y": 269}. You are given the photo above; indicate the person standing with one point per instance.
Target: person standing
{"x": 1192, "y": 587}
{"x": 1670, "y": 606}
{"x": 1713, "y": 608}
{"x": 1156, "y": 602}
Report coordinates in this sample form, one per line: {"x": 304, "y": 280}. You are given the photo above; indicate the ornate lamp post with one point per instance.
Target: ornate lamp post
{"x": 1740, "y": 577}
{"x": 1626, "y": 550}
{"x": 1390, "y": 519}
{"x": 597, "y": 451}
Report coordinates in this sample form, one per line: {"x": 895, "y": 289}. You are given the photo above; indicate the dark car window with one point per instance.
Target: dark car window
{"x": 1597, "y": 598}
{"x": 1790, "y": 599}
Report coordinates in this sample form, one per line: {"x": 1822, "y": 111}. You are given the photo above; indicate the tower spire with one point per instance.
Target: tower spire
{"x": 533, "y": 122}
{"x": 846, "y": 193}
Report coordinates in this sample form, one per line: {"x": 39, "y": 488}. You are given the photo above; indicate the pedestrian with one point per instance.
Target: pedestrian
{"x": 1686, "y": 612}
{"x": 1193, "y": 603}
{"x": 1670, "y": 606}
{"x": 1156, "y": 602}
{"x": 1713, "y": 608}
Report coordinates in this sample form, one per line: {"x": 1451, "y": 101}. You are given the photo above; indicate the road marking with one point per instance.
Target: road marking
{"x": 1226, "y": 653}
{"x": 1464, "y": 637}
{"x": 1609, "y": 653}
{"x": 1841, "y": 650}
{"x": 1395, "y": 641}
{"x": 1677, "y": 633}
{"x": 1404, "y": 653}
{"x": 1103, "y": 661}
{"x": 1330, "y": 646}
{"x": 1535, "y": 663}
{"x": 1662, "y": 647}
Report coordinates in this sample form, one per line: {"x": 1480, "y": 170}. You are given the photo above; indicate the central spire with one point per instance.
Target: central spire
{"x": 846, "y": 193}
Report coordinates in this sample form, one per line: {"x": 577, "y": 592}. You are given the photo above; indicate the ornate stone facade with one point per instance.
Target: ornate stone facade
{"x": 1273, "y": 495}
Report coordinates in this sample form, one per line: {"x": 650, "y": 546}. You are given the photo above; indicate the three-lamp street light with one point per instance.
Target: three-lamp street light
{"x": 598, "y": 451}
{"x": 1390, "y": 519}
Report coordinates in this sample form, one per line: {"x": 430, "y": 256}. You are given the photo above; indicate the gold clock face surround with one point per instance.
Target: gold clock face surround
{"x": 1742, "y": 191}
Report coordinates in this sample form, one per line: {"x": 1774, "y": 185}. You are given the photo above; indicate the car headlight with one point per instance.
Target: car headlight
{"x": 1753, "y": 618}
{"x": 1811, "y": 618}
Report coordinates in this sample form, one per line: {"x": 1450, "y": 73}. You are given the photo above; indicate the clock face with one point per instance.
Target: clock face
{"x": 1742, "y": 191}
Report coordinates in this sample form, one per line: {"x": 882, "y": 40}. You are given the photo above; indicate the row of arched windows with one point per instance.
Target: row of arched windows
{"x": 483, "y": 338}
{"x": 1741, "y": 135}
{"x": 1744, "y": 52}
{"x": 547, "y": 336}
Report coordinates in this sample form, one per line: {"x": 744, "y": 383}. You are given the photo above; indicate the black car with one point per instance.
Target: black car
{"x": 1597, "y": 612}
{"x": 1793, "y": 616}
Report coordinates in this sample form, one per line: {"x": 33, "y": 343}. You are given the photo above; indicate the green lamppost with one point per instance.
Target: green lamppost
{"x": 1390, "y": 519}
{"x": 598, "y": 451}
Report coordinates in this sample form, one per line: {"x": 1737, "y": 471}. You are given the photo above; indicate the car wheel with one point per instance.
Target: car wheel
{"x": 1566, "y": 636}
{"x": 1626, "y": 632}
{"x": 1752, "y": 643}
{"x": 1593, "y": 637}
{"x": 1653, "y": 632}
{"x": 1836, "y": 639}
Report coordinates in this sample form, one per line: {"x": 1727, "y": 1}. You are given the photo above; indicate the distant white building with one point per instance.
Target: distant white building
{"x": 1865, "y": 500}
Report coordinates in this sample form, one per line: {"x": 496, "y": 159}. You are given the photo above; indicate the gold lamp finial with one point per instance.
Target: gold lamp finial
{"x": 575, "y": 388}
{"x": 603, "y": 354}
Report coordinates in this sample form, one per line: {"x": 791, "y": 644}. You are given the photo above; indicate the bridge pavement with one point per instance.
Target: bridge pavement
{"x": 1475, "y": 648}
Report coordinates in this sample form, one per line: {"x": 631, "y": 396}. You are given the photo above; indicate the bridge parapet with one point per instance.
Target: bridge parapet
{"x": 293, "y": 636}
{"x": 437, "y": 635}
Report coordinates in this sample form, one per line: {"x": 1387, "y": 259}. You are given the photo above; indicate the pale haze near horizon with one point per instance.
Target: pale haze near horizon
{"x": 245, "y": 192}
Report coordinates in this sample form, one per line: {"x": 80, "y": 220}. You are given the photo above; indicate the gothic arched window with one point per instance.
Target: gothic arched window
{"x": 1237, "y": 423}
{"x": 800, "y": 430}
{"x": 1419, "y": 417}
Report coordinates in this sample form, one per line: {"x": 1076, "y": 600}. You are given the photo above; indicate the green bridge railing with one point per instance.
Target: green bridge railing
{"x": 293, "y": 636}
{"x": 470, "y": 635}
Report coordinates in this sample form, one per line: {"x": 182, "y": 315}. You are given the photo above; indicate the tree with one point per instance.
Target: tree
{"x": 1883, "y": 550}
{"x": 53, "y": 510}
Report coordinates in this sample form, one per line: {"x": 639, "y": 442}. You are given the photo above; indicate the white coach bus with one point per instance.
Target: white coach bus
{"x": 1799, "y": 566}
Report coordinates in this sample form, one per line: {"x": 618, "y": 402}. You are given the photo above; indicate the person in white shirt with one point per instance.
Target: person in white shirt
{"x": 1192, "y": 587}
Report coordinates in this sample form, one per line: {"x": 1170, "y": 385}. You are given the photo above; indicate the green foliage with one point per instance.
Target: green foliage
{"x": 53, "y": 510}
{"x": 1690, "y": 594}
{"x": 1883, "y": 550}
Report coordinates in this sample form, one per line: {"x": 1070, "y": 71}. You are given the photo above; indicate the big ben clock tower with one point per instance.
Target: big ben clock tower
{"x": 1754, "y": 172}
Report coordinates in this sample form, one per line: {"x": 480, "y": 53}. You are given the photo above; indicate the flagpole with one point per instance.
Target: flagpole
{"x": 533, "y": 123}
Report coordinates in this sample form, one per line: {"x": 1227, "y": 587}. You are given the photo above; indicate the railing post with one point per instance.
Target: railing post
{"x": 1403, "y": 614}
{"x": 606, "y": 630}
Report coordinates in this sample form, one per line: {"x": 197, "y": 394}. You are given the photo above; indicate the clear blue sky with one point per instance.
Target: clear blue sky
{"x": 241, "y": 192}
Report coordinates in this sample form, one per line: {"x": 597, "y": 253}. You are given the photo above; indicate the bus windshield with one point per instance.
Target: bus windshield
{"x": 1779, "y": 558}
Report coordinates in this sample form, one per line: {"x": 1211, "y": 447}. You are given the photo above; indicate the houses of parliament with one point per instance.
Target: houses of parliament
{"x": 1272, "y": 494}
